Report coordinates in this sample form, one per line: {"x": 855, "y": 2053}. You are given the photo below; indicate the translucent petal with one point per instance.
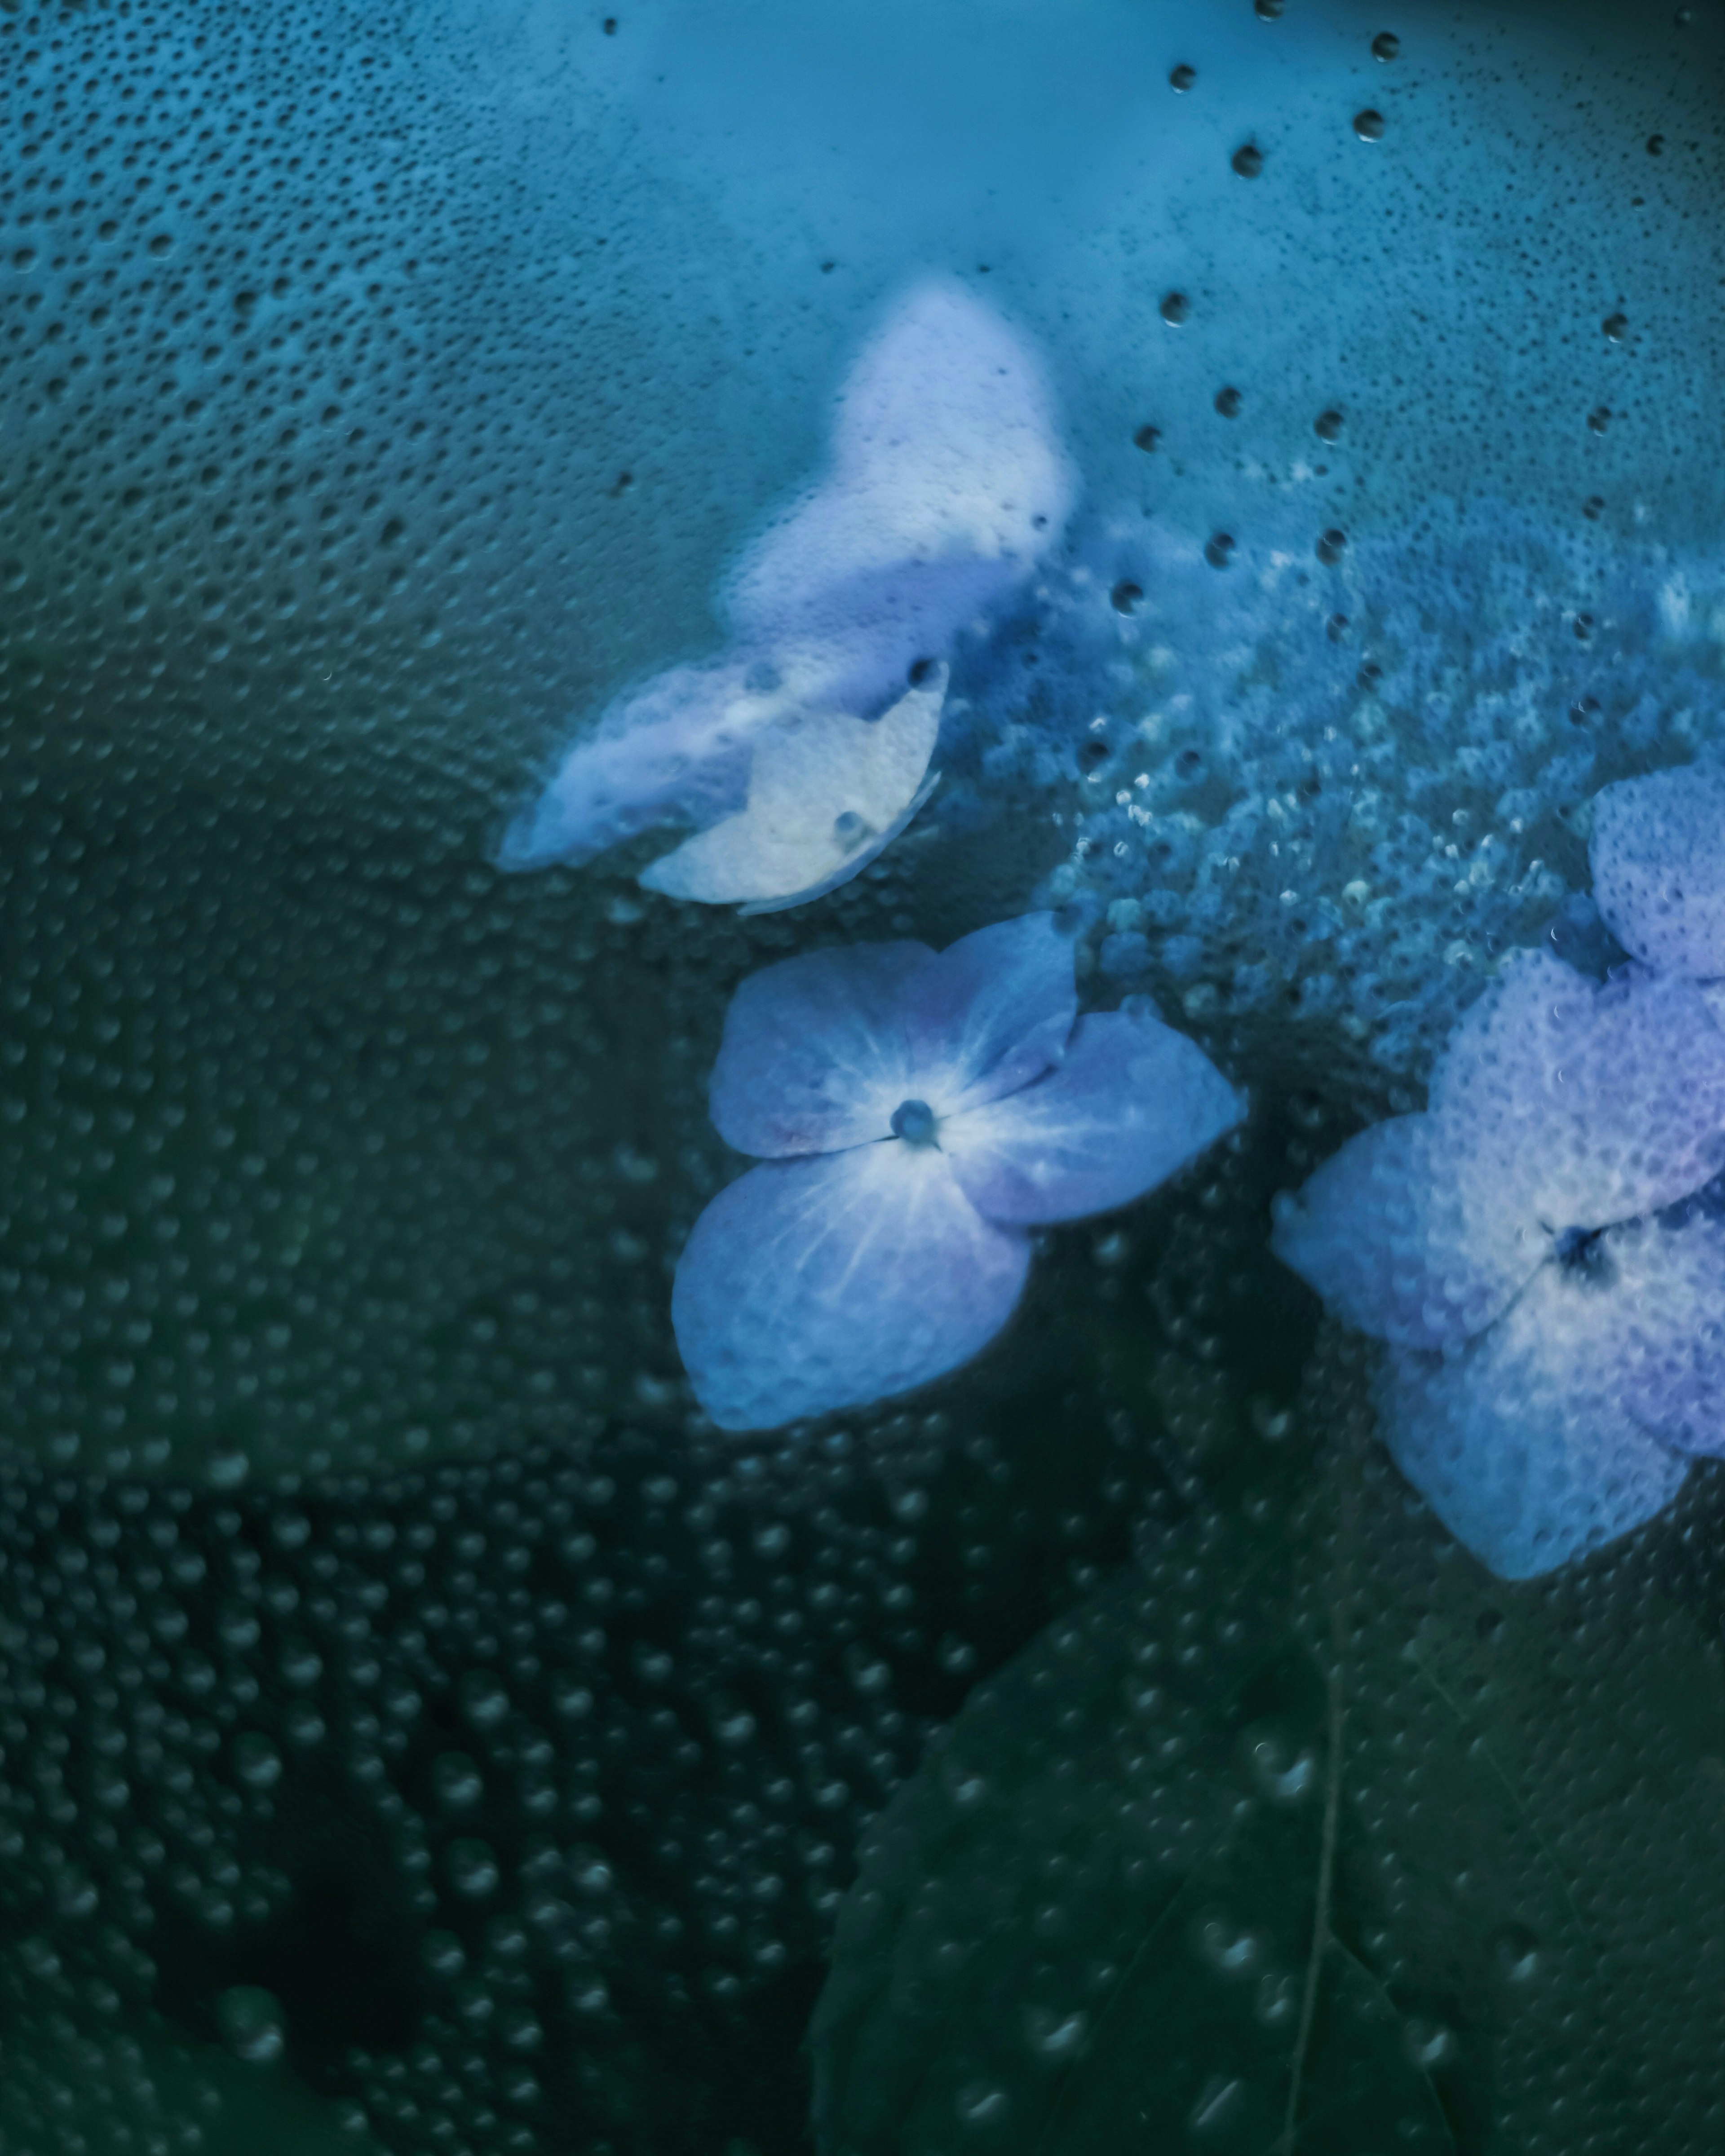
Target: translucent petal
{"x": 1520, "y": 1442}
{"x": 812, "y": 1286}
{"x": 1664, "y": 1327}
{"x": 1131, "y": 1103}
{"x": 1658, "y": 856}
{"x": 826, "y": 794}
{"x": 992, "y": 1012}
{"x": 677, "y": 750}
{"x": 947, "y": 484}
{"x": 815, "y": 1054}
{"x": 1576, "y": 1107}
{"x": 1401, "y": 1247}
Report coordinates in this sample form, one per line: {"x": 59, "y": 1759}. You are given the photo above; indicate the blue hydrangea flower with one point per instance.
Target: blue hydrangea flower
{"x": 1541, "y": 1254}
{"x": 916, "y": 1116}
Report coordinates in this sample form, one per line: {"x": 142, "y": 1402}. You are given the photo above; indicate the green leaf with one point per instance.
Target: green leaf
{"x": 1305, "y": 1836}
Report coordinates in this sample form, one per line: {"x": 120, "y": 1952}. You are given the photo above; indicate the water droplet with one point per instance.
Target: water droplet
{"x": 1616, "y": 327}
{"x": 252, "y": 2025}
{"x": 1218, "y": 549}
{"x": 1327, "y": 426}
{"x": 1331, "y": 545}
{"x": 1147, "y": 437}
{"x": 1270, "y": 11}
{"x": 1127, "y": 596}
{"x": 1518, "y": 1952}
{"x": 1183, "y": 77}
{"x": 1228, "y": 402}
{"x": 1176, "y": 308}
{"x": 474, "y": 1871}
{"x": 914, "y": 1122}
{"x": 979, "y": 2105}
{"x": 1368, "y": 124}
{"x": 1600, "y": 418}
{"x": 1248, "y": 160}
{"x": 457, "y": 1781}
{"x": 1429, "y": 2044}
{"x": 1385, "y": 45}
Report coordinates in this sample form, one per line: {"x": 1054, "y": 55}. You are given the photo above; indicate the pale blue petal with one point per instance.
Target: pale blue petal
{"x": 948, "y": 483}
{"x": 813, "y": 1286}
{"x": 677, "y": 750}
{"x": 1519, "y": 1441}
{"x": 1133, "y": 1103}
{"x": 1664, "y": 1327}
{"x": 1658, "y": 856}
{"x": 1577, "y": 1106}
{"x": 1401, "y": 1246}
{"x": 992, "y": 1012}
{"x": 815, "y": 1054}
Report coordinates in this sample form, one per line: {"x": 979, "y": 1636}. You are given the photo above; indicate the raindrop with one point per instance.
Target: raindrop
{"x": 1248, "y": 161}
{"x": 1270, "y": 11}
{"x": 1148, "y": 438}
{"x": 1218, "y": 550}
{"x": 1600, "y": 418}
{"x": 1127, "y": 596}
{"x": 1368, "y": 124}
{"x": 473, "y": 1869}
{"x": 1385, "y": 45}
{"x": 1327, "y": 426}
{"x": 1183, "y": 77}
{"x": 1656, "y": 146}
{"x": 252, "y": 2025}
{"x": 1331, "y": 545}
{"x": 1616, "y": 327}
{"x": 1228, "y": 402}
{"x": 1176, "y": 307}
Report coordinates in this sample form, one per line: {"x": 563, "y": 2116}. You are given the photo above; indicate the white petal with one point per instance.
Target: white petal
{"x": 825, "y": 795}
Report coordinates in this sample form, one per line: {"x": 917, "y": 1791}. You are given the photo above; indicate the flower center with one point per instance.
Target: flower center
{"x": 1582, "y": 1251}
{"x": 916, "y": 1122}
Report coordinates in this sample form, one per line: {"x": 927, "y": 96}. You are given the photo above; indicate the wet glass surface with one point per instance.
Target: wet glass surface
{"x": 861, "y": 1080}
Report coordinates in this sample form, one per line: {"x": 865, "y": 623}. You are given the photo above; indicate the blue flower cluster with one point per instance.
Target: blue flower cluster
{"x": 1541, "y": 1250}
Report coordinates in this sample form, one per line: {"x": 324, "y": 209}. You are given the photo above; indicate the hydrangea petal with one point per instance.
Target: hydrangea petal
{"x": 678, "y": 749}
{"x": 1397, "y": 1246}
{"x": 994, "y": 1011}
{"x": 1664, "y": 1327}
{"x": 815, "y": 1054}
{"x": 1658, "y": 856}
{"x": 947, "y": 484}
{"x": 1131, "y": 1103}
{"x": 826, "y": 794}
{"x": 812, "y": 1286}
{"x": 1578, "y": 1107}
{"x": 1519, "y": 1441}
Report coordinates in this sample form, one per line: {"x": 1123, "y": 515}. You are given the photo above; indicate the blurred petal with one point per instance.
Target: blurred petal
{"x": 826, "y": 794}
{"x": 1574, "y": 1106}
{"x": 1658, "y": 856}
{"x": 947, "y": 484}
{"x": 1663, "y": 1326}
{"x": 1398, "y": 1245}
{"x": 816, "y": 1285}
{"x": 678, "y": 748}
{"x": 814, "y": 1056}
{"x": 1519, "y": 1441}
{"x": 1132, "y": 1102}
{"x": 992, "y": 1012}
